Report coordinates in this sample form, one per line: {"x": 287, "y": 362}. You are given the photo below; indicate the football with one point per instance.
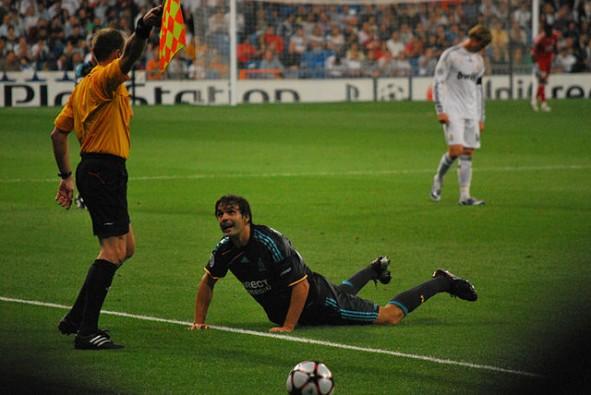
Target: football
{"x": 310, "y": 378}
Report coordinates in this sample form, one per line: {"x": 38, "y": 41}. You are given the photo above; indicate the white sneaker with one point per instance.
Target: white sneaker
{"x": 545, "y": 107}
{"x": 534, "y": 106}
{"x": 436, "y": 188}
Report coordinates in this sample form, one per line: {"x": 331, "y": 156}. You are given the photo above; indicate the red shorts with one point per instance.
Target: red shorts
{"x": 542, "y": 71}
{"x": 545, "y": 66}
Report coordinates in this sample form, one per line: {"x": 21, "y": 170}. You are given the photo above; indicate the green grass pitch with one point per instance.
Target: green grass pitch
{"x": 346, "y": 183}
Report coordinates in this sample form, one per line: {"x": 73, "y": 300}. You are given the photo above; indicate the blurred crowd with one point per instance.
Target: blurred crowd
{"x": 278, "y": 40}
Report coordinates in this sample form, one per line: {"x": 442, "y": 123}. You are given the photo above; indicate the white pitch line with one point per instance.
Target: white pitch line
{"x": 292, "y": 339}
{"x": 314, "y": 174}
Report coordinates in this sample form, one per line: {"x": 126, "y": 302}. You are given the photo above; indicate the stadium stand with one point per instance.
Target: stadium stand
{"x": 302, "y": 40}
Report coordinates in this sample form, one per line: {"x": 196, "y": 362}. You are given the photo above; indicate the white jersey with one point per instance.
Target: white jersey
{"x": 457, "y": 88}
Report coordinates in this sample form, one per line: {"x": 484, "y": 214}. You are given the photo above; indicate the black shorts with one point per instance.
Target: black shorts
{"x": 102, "y": 182}
{"x": 333, "y": 305}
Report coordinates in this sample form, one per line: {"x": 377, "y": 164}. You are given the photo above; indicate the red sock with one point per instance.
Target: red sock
{"x": 541, "y": 93}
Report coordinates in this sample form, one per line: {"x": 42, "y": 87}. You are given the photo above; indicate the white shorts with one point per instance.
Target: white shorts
{"x": 465, "y": 132}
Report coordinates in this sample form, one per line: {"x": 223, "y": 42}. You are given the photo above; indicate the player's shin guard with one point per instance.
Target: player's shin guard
{"x": 358, "y": 281}
{"x": 99, "y": 279}
{"x": 444, "y": 165}
{"x": 465, "y": 176}
{"x": 413, "y": 298}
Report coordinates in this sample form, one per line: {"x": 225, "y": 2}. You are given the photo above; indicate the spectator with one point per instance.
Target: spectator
{"x": 196, "y": 48}
{"x": 499, "y": 43}
{"x": 395, "y": 45}
{"x": 547, "y": 14}
{"x": 4, "y": 9}
{"x": 580, "y": 54}
{"x": 335, "y": 40}
{"x": 217, "y": 68}
{"x": 470, "y": 11}
{"x": 219, "y": 22}
{"x": 386, "y": 65}
{"x": 271, "y": 40}
{"x": 489, "y": 10}
{"x": 308, "y": 22}
{"x": 287, "y": 28}
{"x": 334, "y": 66}
{"x": 565, "y": 60}
{"x": 442, "y": 39}
{"x": 31, "y": 18}
{"x": 402, "y": 66}
{"x": 197, "y": 70}
{"x": 518, "y": 58}
{"x": 365, "y": 34}
{"x": 270, "y": 66}
{"x": 153, "y": 65}
{"x": 246, "y": 54}
{"x": 317, "y": 35}
{"x": 314, "y": 60}
{"x": 298, "y": 43}
{"x": 10, "y": 62}
{"x": 405, "y": 33}
{"x": 354, "y": 61}
{"x": 427, "y": 62}
{"x": 519, "y": 42}
{"x": 177, "y": 68}
{"x": 522, "y": 15}
{"x": 4, "y": 25}
{"x": 22, "y": 49}
{"x": 11, "y": 38}
{"x": 17, "y": 23}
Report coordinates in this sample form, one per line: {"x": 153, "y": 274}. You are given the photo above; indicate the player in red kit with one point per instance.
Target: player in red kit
{"x": 542, "y": 53}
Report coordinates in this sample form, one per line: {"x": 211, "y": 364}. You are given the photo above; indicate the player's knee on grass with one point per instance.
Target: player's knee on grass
{"x": 390, "y": 315}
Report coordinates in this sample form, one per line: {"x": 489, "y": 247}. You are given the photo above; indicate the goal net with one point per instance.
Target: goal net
{"x": 293, "y": 39}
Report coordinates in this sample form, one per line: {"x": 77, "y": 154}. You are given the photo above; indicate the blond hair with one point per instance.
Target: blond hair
{"x": 480, "y": 33}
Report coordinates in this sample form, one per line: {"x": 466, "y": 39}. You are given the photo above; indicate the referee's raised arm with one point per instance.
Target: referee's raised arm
{"x": 135, "y": 44}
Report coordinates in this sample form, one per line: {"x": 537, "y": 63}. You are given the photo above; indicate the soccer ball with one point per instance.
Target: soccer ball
{"x": 310, "y": 378}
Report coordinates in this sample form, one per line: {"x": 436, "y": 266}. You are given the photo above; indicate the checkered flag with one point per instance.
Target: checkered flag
{"x": 172, "y": 32}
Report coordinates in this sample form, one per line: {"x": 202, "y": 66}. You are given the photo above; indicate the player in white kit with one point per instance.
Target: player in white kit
{"x": 459, "y": 103}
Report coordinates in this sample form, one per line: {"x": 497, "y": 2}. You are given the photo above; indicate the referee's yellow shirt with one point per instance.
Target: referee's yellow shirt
{"x": 99, "y": 112}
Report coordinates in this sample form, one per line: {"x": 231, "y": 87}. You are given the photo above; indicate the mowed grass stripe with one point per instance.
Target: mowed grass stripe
{"x": 289, "y": 338}
{"x": 318, "y": 174}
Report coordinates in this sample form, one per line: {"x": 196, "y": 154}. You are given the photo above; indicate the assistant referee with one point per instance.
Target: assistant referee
{"x": 99, "y": 113}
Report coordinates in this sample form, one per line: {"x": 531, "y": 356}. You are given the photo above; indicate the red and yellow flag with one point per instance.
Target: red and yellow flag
{"x": 172, "y": 32}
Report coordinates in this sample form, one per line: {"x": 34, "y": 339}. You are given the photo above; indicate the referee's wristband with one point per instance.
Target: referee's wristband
{"x": 142, "y": 30}
{"x": 64, "y": 175}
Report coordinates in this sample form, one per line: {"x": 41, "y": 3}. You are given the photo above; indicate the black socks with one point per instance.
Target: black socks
{"x": 88, "y": 304}
{"x": 358, "y": 281}
{"x": 413, "y": 298}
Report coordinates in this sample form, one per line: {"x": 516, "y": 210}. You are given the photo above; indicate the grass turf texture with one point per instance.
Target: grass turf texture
{"x": 346, "y": 183}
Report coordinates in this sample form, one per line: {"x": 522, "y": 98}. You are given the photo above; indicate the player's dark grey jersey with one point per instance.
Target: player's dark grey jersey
{"x": 267, "y": 267}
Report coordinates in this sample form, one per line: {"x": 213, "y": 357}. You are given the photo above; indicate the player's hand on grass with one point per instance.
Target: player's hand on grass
{"x": 481, "y": 126}
{"x": 196, "y": 326}
{"x": 65, "y": 193}
{"x": 281, "y": 329}
{"x": 443, "y": 118}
